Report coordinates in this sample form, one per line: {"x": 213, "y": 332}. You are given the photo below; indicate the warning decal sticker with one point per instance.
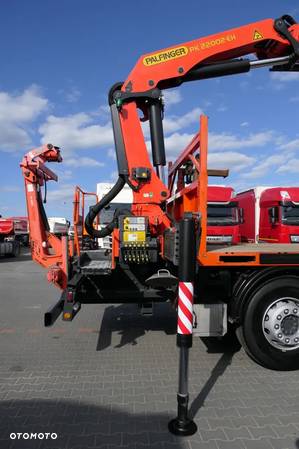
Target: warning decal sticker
{"x": 257, "y": 35}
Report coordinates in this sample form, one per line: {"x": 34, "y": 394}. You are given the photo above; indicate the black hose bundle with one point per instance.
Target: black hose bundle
{"x": 95, "y": 210}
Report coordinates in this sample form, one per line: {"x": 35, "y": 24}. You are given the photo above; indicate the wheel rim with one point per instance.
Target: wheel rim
{"x": 281, "y": 324}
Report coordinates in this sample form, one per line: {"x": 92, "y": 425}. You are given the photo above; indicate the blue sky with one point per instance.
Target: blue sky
{"x": 60, "y": 58}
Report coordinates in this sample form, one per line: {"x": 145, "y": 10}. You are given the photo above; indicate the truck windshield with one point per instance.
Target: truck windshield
{"x": 106, "y": 215}
{"x": 290, "y": 214}
{"x": 222, "y": 215}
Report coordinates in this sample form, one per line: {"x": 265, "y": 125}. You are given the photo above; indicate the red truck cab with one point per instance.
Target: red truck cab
{"x": 223, "y": 216}
{"x": 279, "y": 215}
{"x": 271, "y": 214}
{"x": 6, "y": 228}
{"x": 14, "y": 228}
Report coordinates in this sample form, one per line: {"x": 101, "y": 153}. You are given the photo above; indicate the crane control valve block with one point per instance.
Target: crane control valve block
{"x": 136, "y": 244}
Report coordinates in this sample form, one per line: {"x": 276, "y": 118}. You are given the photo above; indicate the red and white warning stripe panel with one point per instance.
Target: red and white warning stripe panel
{"x": 185, "y": 308}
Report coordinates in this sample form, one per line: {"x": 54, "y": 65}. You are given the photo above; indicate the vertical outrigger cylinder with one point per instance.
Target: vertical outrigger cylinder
{"x": 182, "y": 424}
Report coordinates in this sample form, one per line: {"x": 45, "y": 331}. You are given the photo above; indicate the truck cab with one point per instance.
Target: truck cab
{"x": 223, "y": 216}
{"x": 270, "y": 214}
{"x": 59, "y": 225}
{"x": 279, "y": 215}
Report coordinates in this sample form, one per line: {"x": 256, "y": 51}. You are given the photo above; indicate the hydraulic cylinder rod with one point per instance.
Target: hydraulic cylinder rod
{"x": 157, "y": 137}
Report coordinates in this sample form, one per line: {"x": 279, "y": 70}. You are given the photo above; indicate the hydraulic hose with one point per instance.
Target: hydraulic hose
{"x": 95, "y": 210}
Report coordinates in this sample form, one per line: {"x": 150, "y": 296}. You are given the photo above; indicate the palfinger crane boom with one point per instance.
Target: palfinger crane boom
{"x": 275, "y": 44}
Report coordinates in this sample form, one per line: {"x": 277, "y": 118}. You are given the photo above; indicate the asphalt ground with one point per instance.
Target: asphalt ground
{"x": 109, "y": 379}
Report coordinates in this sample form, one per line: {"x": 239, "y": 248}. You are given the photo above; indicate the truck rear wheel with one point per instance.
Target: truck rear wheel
{"x": 15, "y": 249}
{"x": 270, "y": 329}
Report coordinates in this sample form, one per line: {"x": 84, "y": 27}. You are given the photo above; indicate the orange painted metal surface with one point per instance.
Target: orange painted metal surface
{"x": 193, "y": 198}
{"x": 46, "y": 248}
{"x": 202, "y": 187}
{"x": 79, "y": 215}
{"x": 228, "y": 44}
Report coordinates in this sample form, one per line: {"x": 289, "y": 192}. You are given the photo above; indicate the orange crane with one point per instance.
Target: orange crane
{"x": 159, "y": 249}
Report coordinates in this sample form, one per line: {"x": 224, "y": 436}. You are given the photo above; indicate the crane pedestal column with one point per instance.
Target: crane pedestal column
{"x": 182, "y": 424}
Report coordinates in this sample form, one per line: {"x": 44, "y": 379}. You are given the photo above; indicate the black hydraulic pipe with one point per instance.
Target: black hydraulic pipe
{"x": 95, "y": 210}
{"x": 182, "y": 425}
{"x": 42, "y": 211}
{"x": 212, "y": 70}
{"x": 232, "y": 67}
{"x": 157, "y": 136}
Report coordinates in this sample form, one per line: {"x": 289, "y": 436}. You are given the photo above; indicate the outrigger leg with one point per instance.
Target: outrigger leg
{"x": 182, "y": 425}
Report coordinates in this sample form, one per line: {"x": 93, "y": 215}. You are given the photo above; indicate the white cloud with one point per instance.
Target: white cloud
{"x": 82, "y": 131}
{"x": 292, "y": 145}
{"x": 62, "y": 194}
{"x": 285, "y": 77}
{"x": 63, "y": 175}
{"x": 172, "y": 97}
{"x": 22, "y": 108}
{"x": 291, "y": 166}
{"x": 17, "y": 111}
{"x": 103, "y": 111}
{"x": 83, "y": 162}
{"x": 261, "y": 169}
{"x": 176, "y": 143}
{"x": 230, "y": 159}
{"x": 175, "y": 123}
{"x": 77, "y": 131}
{"x": 101, "y": 114}
{"x": 228, "y": 141}
{"x": 13, "y": 137}
{"x": 244, "y": 124}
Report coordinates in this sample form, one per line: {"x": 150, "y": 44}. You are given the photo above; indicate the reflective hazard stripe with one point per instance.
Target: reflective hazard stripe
{"x": 185, "y": 308}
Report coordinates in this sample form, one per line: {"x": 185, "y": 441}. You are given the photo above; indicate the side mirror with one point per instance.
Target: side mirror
{"x": 273, "y": 215}
{"x": 241, "y": 215}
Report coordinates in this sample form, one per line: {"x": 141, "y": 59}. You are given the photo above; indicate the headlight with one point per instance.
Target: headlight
{"x": 295, "y": 238}
{"x": 222, "y": 238}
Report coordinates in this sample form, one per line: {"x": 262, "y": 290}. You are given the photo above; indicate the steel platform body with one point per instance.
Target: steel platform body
{"x": 250, "y": 254}
{"x": 276, "y": 248}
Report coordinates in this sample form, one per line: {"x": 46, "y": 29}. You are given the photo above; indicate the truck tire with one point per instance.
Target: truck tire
{"x": 16, "y": 248}
{"x": 26, "y": 241}
{"x": 270, "y": 325}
